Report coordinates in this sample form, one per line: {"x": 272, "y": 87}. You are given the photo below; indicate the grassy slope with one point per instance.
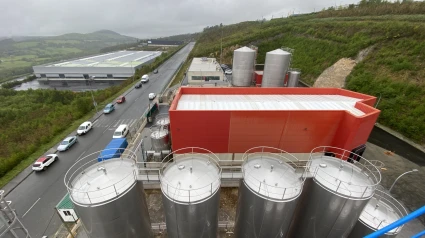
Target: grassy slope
{"x": 18, "y": 57}
{"x": 394, "y": 70}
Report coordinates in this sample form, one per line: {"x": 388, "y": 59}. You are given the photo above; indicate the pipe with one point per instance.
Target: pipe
{"x": 419, "y": 234}
{"x": 413, "y": 170}
{"x": 397, "y": 223}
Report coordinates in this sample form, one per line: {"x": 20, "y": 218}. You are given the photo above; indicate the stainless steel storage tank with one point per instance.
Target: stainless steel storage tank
{"x": 294, "y": 78}
{"x": 163, "y": 120}
{"x": 108, "y": 198}
{"x": 243, "y": 67}
{"x": 160, "y": 139}
{"x": 268, "y": 194}
{"x": 381, "y": 210}
{"x": 190, "y": 185}
{"x": 339, "y": 192}
{"x": 275, "y": 67}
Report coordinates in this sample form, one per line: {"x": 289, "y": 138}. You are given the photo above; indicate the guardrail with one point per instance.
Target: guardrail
{"x": 398, "y": 223}
{"x": 289, "y": 163}
{"x": 78, "y": 191}
{"x": 11, "y": 218}
{"x": 191, "y": 195}
{"x": 344, "y": 180}
{"x": 393, "y": 204}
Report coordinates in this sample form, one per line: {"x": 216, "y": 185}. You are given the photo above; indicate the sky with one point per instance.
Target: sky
{"x": 141, "y": 18}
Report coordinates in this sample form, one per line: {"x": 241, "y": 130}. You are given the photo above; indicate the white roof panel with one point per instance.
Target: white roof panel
{"x": 268, "y": 102}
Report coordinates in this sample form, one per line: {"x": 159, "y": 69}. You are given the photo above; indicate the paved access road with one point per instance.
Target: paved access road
{"x": 35, "y": 198}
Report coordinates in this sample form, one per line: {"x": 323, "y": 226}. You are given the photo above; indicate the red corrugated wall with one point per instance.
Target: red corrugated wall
{"x": 293, "y": 131}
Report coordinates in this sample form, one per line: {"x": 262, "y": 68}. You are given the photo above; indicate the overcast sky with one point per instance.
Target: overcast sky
{"x": 141, "y": 18}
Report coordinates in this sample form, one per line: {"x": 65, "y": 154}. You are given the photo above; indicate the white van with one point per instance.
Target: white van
{"x": 121, "y": 131}
{"x": 84, "y": 128}
{"x": 144, "y": 78}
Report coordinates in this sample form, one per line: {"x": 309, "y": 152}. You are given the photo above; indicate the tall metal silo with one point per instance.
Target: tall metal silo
{"x": 243, "y": 67}
{"x": 268, "y": 194}
{"x": 381, "y": 210}
{"x": 160, "y": 138}
{"x": 275, "y": 67}
{"x": 190, "y": 185}
{"x": 108, "y": 198}
{"x": 294, "y": 78}
{"x": 336, "y": 197}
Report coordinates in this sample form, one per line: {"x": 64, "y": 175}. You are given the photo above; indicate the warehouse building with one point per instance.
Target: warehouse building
{"x": 233, "y": 120}
{"x": 167, "y": 43}
{"x": 110, "y": 66}
{"x": 205, "y": 70}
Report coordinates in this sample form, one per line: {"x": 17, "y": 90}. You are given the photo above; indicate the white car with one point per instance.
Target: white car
{"x": 144, "y": 78}
{"x": 44, "y": 162}
{"x": 152, "y": 96}
{"x": 228, "y": 71}
{"x": 84, "y": 128}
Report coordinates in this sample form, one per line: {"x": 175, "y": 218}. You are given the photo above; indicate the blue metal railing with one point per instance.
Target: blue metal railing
{"x": 420, "y": 234}
{"x": 398, "y": 223}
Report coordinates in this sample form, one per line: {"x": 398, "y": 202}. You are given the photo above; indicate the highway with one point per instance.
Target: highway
{"x": 35, "y": 198}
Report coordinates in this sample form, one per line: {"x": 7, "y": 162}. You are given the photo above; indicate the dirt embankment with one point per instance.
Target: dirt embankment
{"x": 334, "y": 76}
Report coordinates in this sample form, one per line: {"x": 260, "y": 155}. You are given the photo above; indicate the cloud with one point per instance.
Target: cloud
{"x": 140, "y": 18}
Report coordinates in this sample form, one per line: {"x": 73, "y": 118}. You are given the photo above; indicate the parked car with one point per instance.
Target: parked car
{"x": 138, "y": 85}
{"x": 67, "y": 143}
{"x": 144, "y": 78}
{"x": 152, "y": 96}
{"x": 228, "y": 71}
{"x": 155, "y": 71}
{"x": 109, "y": 108}
{"x": 120, "y": 99}
{"x": 223, "y": 66}
{"x": 84, "y": 128}
{"x": 44, "y": 162}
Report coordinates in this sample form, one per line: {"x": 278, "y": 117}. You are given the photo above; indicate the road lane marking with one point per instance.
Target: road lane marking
{"x": 81, "y": 155}
{"x": 131, "y": 124}
{"x": 31, "y": 207}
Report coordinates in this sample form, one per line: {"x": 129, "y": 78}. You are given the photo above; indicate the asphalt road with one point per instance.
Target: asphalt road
{"x": 35, "y": 198}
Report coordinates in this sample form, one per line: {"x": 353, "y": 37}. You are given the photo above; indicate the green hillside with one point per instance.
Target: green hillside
{"x": 183, "y": 37}
{"x": 394, "y": 69}
{"x": 17, "y": 55}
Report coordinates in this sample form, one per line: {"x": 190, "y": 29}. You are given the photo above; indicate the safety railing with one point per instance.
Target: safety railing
{"x": 195, "y": 194}
{"x": 79, "y": 187}
{"x": 381, "y": 201}
{"x": 162, "y": 119}
{"x": 10, "y": 220}
{"x": 329, "y": 166}
{"x": 289, "y": 168}
{"x": 398, "y": 223}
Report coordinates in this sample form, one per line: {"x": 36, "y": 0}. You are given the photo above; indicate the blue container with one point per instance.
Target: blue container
{"x": 114, "y": 149}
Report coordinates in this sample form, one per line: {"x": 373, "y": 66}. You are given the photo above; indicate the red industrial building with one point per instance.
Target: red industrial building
{"x": 233, "y": 120}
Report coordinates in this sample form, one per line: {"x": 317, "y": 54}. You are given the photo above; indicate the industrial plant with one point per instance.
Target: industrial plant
{"x": 115, "y": 65}
{"x": 295, "y": 154}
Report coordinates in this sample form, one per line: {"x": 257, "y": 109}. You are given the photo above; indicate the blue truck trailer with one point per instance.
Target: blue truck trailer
{"x": 114, "y": 149}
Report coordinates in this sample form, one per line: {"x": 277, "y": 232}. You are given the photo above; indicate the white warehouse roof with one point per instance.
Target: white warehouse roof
{"x": 114, "y": 59}
{"x": 204, "y": 64}
{"x": 268, "y": 102}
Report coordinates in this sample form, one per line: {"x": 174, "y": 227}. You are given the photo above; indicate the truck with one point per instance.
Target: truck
{"x": 114, "y": 149}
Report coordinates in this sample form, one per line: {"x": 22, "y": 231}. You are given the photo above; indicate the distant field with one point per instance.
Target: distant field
{"x": 25, "y": 44}
{"x": 64, "y": 41}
